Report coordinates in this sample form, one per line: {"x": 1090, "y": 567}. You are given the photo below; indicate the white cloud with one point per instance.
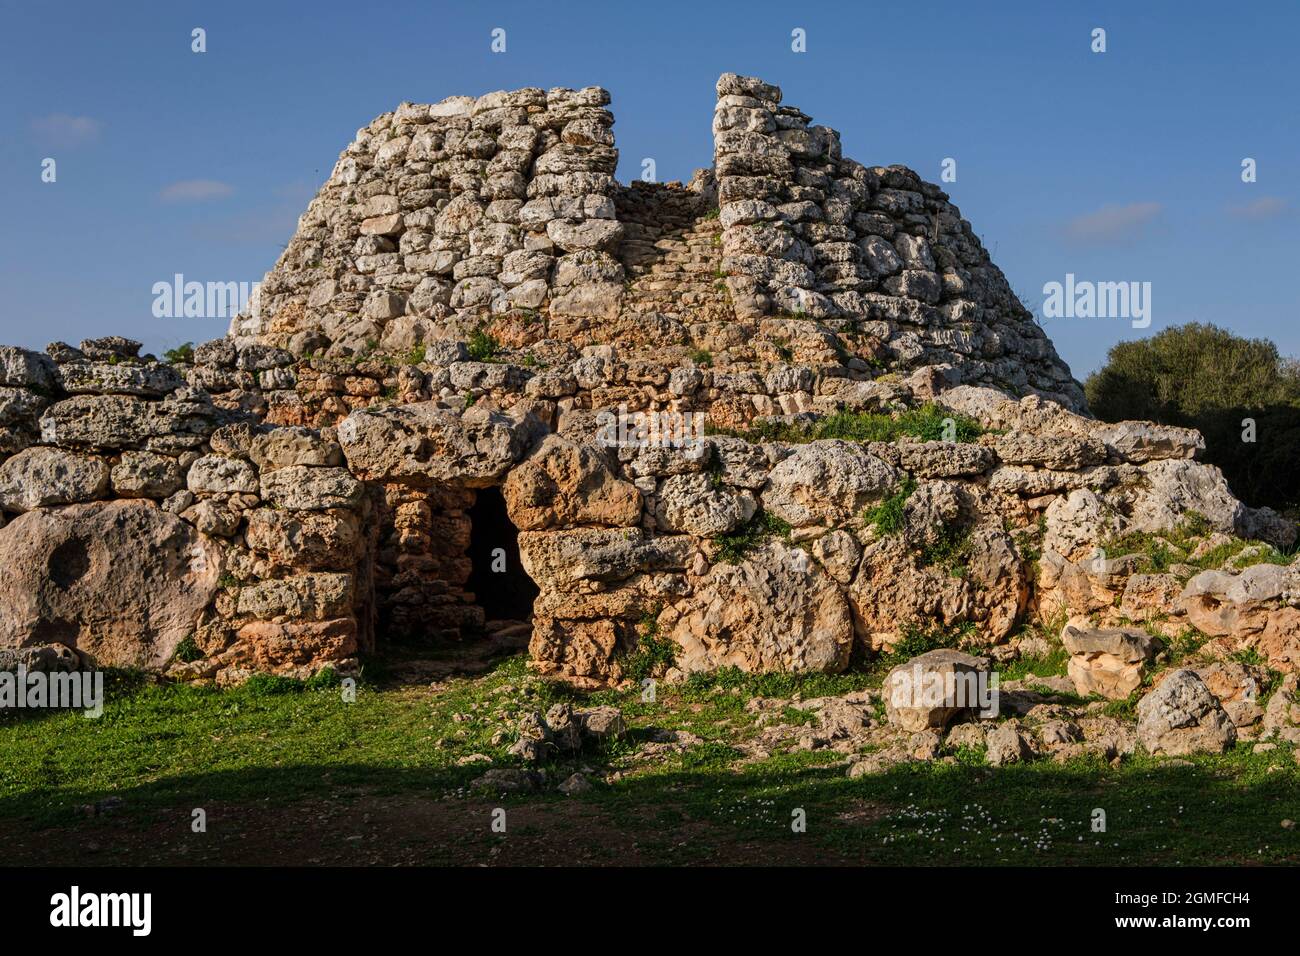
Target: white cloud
{"x": 60, "y": 129}
{"x": 1113, "y": 223}
{"x": 195, "y": 190}
{"x": 1266, "y": 207}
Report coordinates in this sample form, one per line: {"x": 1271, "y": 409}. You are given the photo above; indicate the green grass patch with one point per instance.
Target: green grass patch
{"x": 482, "y": 345}
{"x": 927, "y": 423}
{"x": 887, "y": 517}
{"x": 733, "y": 547}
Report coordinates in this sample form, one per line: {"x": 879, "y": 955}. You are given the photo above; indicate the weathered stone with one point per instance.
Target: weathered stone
{"x": 39, "y": 477}
{"x": 25, "y": 369}
{"x": 302, "y": 488}
{"x": 423, "y": 444}
{"x": 282, "y": 447}
{"x": 826, "y": 483}
{"x": 106, "y": 378}
{"x": 275, "y": 644}
{"x": 142, "y": 474}
{"x": 563, "y": 484}
{"x": 122, "y": 581}
{"x": 560, "y": 558}
{"x": 1180, "y": 716}
{"x": 122, "y": 421}
{"x": 694, "y": 505}
{"x": 312, "y": 597}
{"x": 1143, "y": 441}
{"x": 933, "y": 688}
{"x": 770, "y": 612}
{"x": 1107, "y": 661}
{"x": 314, "y": 541}
{"x": 216, "y": 475}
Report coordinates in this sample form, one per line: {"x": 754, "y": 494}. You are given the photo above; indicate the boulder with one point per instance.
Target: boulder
{"x": 302, "y": 488}
{"x": 827, "y": 483}
{"x": 425, "y": 444}
{"x": 217, "y": 475}
{"x": 25, "y": 369}
{"x": 1180, "y": 716}
{"x": 1107, "y": 661}
{"x": 559, "y": 559}
{"x": 563, "y": 484}
{"x": 38, "y": 477}
{"x": 107, "y": 378}
{"x": 770, "y": 612}
{"x": 932, "y": 689}
{"x": 1144, "y": 441}
{"x": 695, "y": 504}
{"x": 1007, "y": 743}
{"x": 282, "y": 447}
{"x": 1175, "y": 487}
{"x": 123, "y": 582}
{"x": 308, "y": 540}
{"x": 143, "y": 474}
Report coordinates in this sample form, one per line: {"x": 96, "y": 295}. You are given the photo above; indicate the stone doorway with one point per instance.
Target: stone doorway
{"x": 498, "y": 581}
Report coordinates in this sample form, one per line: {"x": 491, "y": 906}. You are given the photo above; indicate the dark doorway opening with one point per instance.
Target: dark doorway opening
{"x": 500, "y": 585}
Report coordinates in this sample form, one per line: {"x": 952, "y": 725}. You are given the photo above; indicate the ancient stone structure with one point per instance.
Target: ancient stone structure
{"x": 486, "y": 382}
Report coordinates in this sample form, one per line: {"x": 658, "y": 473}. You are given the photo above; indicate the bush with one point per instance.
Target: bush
{"x": 887, "y": 517}
{"x": 181, "y": 355}
{"x": 482, "y": 346}
{"x": 1204, "y": 377}
{"x": 736, "y": 545}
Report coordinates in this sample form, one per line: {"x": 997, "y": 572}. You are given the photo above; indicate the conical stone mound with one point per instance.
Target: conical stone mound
{"x": 502, "y": 214}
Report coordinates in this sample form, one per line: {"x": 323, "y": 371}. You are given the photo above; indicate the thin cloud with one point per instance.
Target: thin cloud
{"x": 60, "y": 129}
{"x": 1113, "y": 223}
{"x": 195, "y": 190}
{"x": 1266, "y": 207}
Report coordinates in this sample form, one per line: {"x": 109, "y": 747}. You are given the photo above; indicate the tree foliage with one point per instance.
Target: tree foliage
{"x": 1204, "y": 377}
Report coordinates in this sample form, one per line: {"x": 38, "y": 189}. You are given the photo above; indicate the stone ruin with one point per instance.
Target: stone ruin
{"x": 420, "y": 431}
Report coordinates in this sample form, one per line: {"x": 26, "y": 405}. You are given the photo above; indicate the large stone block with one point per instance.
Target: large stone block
{"x": 123, "y": 582}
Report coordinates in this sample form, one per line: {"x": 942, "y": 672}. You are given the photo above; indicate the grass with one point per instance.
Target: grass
{"x": 887, "y": 517}
{"x": 482, "y": 345}
{"x": 949, "y": 551}
{"x": 187, "y": 651}
{"x": 277, "y": 743}
{"x": 927, "y": 423}
{"x": 653, "y": 655}
{"x": 734, "y": 546}
{"x": 1160, "y": 552}
{"x": 701, "y": 357}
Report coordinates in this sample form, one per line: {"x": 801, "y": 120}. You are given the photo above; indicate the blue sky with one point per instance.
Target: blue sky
{"x": 1116, "y": 166}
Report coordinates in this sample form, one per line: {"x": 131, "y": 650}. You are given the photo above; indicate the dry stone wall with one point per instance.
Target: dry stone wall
{"x": 148, "y": 526}
{"x": 811, "y": 233}
{"x": 467, "y": 306}
{"x": 456, "y": 209}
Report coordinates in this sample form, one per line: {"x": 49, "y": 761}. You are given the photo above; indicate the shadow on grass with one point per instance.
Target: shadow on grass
{"x": 921, "y": 814}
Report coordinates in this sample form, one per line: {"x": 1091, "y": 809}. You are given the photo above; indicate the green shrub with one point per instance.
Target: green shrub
{"x": 887, "y": 517}
{"x": 949, "y": 551}
{"x": 927, "y": 423}
{"x": 181, "y": 355}
{"x": 187, "y": 651}
{"x": 736, "y": 545}
{"x": 482, "y": 346}
{"x": 1204, "y": 377}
